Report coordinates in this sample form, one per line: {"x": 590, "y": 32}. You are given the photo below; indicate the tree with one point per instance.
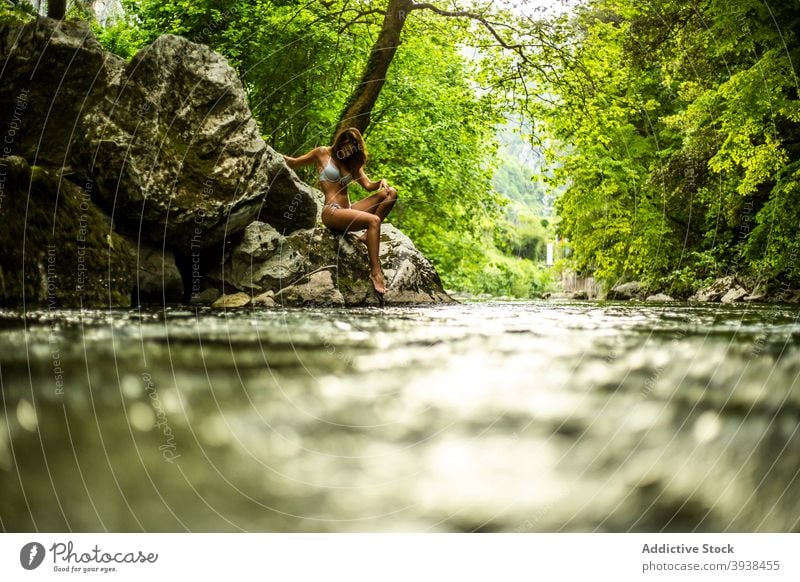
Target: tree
{"x": 358, "y": 110}
{"x": 527, "y": 43}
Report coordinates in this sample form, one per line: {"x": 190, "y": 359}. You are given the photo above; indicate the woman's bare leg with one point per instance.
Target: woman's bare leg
{"x": 379, "y": 204}
{"x": 347, "y": 219}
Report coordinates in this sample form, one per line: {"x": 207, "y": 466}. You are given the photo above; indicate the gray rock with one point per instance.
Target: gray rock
{"x": 176, "y": 147}
{"x": 58, "y": 249}
{"x": 54, "y": 74}
{"x": 263, "y": 260}
{"x": 205, "y": 297}
{"x": 716, "y": 290}
{"x": 659, "y": 297}
{"x": 232, "y": 300}
{"x": 735, "y": 294}
{"x": 319, "y": 288}
{"x": 158, "y": 279}
{"x": 266, "y": 299}
{"x": 410, "y": 277}
{"x": 321, "y": 267}
{"x": 166, "y": 141}
{"x": 758, "y": 294}
{"x": 625, "y": 291}
{"x": 580, "y": 295}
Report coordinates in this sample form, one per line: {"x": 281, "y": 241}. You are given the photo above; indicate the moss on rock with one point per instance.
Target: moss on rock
{"x": 59, "y": 248}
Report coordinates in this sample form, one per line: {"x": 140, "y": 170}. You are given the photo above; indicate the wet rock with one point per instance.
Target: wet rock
{"x": 580, "y": 295}
{"x": 266, "y": 299}
{"x": 205, "y": 297}
{"x": 321, "y": 267}
{"x": 626, "y": 291}
{"x": 410, "y": 277}
{"x": 59, "y": 250}
{"x": 716, "y": 290}
{"x": 158, "y": 279}
{"x": 757, "y": 295}
{"x": 659, "y": 297}
{"x": 319, "y": 289}
{"x": 737, "y": 293}
{"x": 232, "y": 300}
{"x": 263, "y": 260}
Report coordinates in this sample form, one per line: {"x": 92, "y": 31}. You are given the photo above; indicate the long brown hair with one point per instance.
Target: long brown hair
{"x": 350, "y": 136}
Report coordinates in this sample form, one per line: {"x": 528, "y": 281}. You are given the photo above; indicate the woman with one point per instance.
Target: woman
{"x": 338, "y": 166}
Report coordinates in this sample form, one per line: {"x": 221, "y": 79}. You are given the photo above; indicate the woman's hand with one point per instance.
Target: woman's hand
{"x": 383, "y": 184}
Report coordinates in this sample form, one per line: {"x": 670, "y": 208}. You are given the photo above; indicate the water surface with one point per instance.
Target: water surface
{"x": 498, "y": 416}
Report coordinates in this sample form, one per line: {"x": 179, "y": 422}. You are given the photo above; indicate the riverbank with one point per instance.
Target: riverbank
{"x": 728, "y": 289}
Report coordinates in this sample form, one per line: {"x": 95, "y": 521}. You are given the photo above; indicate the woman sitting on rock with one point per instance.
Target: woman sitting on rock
{"x": 338, "y": 165}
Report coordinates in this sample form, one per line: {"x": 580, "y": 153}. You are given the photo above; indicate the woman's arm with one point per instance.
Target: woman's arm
{"x": 368, "y": 184}
{"x": 303, "y": 160}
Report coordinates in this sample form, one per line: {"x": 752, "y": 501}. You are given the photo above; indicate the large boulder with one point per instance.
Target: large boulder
{"x": 736, "y": 293}
{"x": 167, "y": 146}
{"x": 54, "y": 72}
{"x": 59, "y": 249}
{"x": 176, "y": 148}
{"x": 318, "y": 266}
{"x": 626, "y": 291}
{"x": 165, "y": 143}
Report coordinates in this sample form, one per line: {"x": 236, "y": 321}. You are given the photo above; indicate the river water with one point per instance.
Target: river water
{"x": 492, "y": 416}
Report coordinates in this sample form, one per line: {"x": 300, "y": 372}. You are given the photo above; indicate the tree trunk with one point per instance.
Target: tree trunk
{"x": 56, "y": 9}
{"x": 357, "y": 112}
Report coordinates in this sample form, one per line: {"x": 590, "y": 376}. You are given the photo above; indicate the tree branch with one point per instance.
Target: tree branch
{"x": 490, "y": 26}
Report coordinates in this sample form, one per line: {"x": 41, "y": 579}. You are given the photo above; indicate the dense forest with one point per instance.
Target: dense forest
{"x": 668, "y": 130}
{"x": 677, "y": 132}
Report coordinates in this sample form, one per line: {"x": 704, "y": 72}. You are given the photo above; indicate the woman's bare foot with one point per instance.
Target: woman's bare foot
{"x": 377, "y": 282}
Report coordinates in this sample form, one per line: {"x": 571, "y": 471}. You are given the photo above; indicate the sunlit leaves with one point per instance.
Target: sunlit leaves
{"x": 679, "y": 139}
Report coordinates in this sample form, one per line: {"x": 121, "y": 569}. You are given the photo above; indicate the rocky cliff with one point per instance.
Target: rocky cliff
{"x": 153, "y": 176}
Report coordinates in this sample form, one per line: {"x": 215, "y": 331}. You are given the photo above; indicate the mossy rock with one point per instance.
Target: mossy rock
{"x": 320, "y": 267}
{"x": 59, "y": 249}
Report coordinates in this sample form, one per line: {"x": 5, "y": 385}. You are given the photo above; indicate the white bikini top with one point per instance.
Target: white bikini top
{"x": 331, "y": 173}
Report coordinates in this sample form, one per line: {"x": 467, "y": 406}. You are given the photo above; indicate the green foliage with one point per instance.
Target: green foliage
{"x": 118, "y": 37}
{"x": 522, "y": 234}
{"x": 17, "y": 11}
{"x": 677, "y": 127}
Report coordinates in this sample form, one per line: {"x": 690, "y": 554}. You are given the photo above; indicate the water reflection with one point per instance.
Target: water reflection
{"x": 519, "y": 416}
